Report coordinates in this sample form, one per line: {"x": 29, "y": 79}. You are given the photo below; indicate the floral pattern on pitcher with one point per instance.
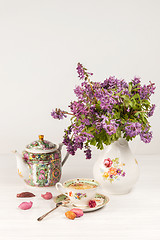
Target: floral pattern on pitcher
{"x": 113, "y": 169}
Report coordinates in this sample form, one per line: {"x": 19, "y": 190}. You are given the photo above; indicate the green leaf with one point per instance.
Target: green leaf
{"x": 123, "y": 121}
{"x": 100, "y": 144}
{"x": 78, "y": 123}
{"x": 145, "y": 102}
{"x": 136, "y": 114}
{"x": 130, "y": 87}
{"x": 126, "y": 100}
{"x": 90, "y": 129}
{"x": 132, "y": 104}
{"x": 136, "y": 96}
{"x": 93, "y": 141}
{"x": 83, "y": 116}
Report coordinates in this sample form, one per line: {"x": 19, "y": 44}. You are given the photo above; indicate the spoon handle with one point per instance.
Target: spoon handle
{"x": 43, "y": 216}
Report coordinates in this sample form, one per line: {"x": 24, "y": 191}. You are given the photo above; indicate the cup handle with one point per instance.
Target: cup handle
{"x": 60, "y": 188}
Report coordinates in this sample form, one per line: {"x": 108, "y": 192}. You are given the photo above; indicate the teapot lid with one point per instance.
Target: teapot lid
{"x": 41, "y": 146}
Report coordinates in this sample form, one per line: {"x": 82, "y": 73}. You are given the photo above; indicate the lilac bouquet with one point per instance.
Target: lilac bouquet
{"x": 106, "y": 111}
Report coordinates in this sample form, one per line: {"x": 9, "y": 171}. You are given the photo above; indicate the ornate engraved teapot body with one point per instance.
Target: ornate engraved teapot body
{"x": 40, "y": 163}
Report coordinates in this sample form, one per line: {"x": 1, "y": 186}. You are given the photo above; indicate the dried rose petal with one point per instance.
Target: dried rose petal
{"x": 47, "y": 196}
{"x": 92, "y": 203}
{"x": 25, "y": 205}
{"x": 77, "y": 211}
{"x": 25, "y": 195}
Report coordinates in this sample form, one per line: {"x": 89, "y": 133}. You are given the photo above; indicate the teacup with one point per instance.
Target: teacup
{"x": 79, "y": 190}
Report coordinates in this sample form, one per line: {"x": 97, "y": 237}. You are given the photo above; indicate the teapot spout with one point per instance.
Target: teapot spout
{"x": 22, "y": 166}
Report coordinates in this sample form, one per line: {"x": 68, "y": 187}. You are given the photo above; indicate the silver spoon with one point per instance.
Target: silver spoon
{"x": 44, "y": 215}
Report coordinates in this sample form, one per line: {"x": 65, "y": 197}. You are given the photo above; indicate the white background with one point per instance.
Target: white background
{"x": 41, "y": 42}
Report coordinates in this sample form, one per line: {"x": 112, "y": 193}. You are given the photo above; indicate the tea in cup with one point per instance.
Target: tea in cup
{"x": 79, "y": 190}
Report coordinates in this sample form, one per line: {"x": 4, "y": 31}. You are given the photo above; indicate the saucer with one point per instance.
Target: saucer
{"x": 100, "y": 199}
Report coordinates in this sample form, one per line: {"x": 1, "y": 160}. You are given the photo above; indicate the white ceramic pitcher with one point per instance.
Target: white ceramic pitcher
{"x": 116, "y": 169}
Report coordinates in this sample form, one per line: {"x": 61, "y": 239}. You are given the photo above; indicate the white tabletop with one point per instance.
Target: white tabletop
{"x": 132, "y": 216}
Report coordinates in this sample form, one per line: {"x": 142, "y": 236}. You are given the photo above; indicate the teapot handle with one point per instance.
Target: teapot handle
{"x": 66, "y": 156}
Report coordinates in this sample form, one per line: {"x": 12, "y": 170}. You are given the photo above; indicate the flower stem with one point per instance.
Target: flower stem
{"x": 69, "y": 113}
{"x": 91, "y": 88}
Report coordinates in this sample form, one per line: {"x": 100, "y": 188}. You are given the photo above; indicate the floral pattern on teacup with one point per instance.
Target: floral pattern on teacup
{"x": 79, "y": 196}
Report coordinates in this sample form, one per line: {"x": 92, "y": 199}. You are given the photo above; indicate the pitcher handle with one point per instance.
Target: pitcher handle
{"x": 66, "y": 156}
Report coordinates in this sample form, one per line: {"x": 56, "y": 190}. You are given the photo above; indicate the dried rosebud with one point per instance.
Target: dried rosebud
{"x": 25, "y": 205}
{"x": 92, "y": 203}
{"x": 25, "y": 195}
{"x": 70, "y": 215}
{"x": 47, "y": 196}
{"x": 78, "y": 212}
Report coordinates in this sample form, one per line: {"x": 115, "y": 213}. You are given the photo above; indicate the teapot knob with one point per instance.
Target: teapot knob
{"x": 41, "y": 137}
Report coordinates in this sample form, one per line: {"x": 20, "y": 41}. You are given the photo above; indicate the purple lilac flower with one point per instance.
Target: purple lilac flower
{"x": 107, "y": 101}
{"x": 150, "y": 113}
{"x": 114, "y": 83}
{"x": 136, "y": 81}
{"x": 109, "y": 126}
{"x": 98, "y": 124}
{"x": 99, "y": 105}
{"x": 70, "y": 148}
{"x": 58, "y": 114}
{"x": 132, "y": 128}
{"x": 104, "y": 119}
{"x": 86, "y": 121}
{"x": 89, "y": 136}
{"x": 79, "y": 139}
{"x": 143, "y": 92}
{"x": 78, "y": 108}
{"x": 123, "y": 174}
{"x": 78, "y": 129}
{"x": 151, "y": 87}
{"x": 69, "y": 130}
{"x": 87, "y": 91}
{"x": 80, "y": 71}
{"x": 146, "y": 135}
{"x": 146, "y": 91}
{"x": 88, "y": 153}
{"x": 66, "y": 139}
{"x": 128, "y": 109}
{"x": 79, "y": 92}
